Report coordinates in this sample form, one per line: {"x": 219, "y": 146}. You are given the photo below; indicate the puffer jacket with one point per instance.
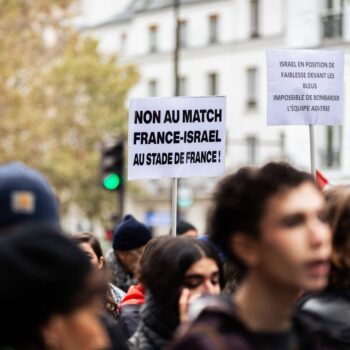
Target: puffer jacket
{"x": 156, "y": 328}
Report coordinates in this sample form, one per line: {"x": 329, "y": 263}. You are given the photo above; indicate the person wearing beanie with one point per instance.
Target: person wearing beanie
{"x": 129, "y": 240}
{"x": 25, "y": 197}
{"x": 49, "y": 293}
{"x": 185, "y": 229}
{"x": 27, "y": 202}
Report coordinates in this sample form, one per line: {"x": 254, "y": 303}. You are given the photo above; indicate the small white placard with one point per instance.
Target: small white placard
{"x": 305, "y": 87}
{"x": 175, "y": 137}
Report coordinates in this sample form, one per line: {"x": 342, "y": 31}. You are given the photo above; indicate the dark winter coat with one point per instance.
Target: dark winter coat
{"x": 156, "y": 328}
{"x": 115, "y": 333}
{"x": 218, "y": 328}
{"x": 329, "y": 312}
{"x": 129, "y": 309}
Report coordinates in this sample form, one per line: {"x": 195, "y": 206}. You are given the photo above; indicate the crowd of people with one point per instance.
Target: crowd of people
{"x": 271, "y": 272}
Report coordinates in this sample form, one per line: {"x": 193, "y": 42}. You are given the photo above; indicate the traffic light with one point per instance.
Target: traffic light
{"x": 112, "y": 165}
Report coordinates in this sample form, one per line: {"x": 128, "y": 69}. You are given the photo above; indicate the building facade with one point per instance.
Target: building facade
{"x": 222, "y": 52}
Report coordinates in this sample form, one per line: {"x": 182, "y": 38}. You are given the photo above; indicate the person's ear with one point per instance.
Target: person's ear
{"x": 246, "y": 248}
{"x": 100, "y": 263}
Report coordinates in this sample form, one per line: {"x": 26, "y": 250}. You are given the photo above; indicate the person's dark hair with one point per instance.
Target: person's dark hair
{"x": 183, "y": 226}
{"x": 240, "y": 200}
{"x": 87, "y": 237}
{"x": 165, "y": 262}
{"x": 58, "y": 280}
{"x": 338, "y": 205}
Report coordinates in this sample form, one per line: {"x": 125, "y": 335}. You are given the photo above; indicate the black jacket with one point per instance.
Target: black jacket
{"x": 118, "y": 341}
{"x": 156, "y": 328}
{"x": 216, "y": 326}
{"x": 329, "y": 312}
{"x": 129, "y": 319}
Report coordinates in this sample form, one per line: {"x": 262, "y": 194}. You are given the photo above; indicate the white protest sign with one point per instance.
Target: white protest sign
{"x": 176, "y": 137}
{"x": 305, "y": 87}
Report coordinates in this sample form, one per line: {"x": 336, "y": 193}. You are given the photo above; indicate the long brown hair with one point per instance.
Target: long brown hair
{"x": 165, "y": 262}
{"x": 338, "y": 203}
{"x": 87, "y": 237}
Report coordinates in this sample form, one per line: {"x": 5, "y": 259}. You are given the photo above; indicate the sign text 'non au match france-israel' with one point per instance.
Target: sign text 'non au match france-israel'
{"x": 176, "y": 137}
{"x": 305, "y": 87}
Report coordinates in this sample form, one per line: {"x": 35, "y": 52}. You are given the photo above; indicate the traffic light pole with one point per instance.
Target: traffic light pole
{"x": 112, "y": 171}
{"x": 122, "y": 190}
{"x": 176, "y": 93}
{"x": 120, "y": 201}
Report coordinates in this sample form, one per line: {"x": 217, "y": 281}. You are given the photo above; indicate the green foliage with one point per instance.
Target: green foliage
{"x": 59, "y": 97}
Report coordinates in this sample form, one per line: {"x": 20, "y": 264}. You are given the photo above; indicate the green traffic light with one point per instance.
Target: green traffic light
{"x": 111, "y": 182}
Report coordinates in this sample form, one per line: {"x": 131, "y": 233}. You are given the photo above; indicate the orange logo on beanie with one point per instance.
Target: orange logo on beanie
{"x": 23, "y": 202}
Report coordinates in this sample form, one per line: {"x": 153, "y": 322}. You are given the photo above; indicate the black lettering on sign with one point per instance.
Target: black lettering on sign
{"x": 156, "y": 137}
{"x": 202, "y": 116}
{"x": 172, "y": 116}
{"x": 202, "y": 157}
{"x": 159, "y": 159}
{"x": 147, "y": 117}
{"x": 139, "y": 159}
{"x": 201, "y": 136}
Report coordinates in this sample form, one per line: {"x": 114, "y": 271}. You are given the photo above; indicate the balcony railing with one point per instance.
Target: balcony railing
{"x": 332, "y": 26}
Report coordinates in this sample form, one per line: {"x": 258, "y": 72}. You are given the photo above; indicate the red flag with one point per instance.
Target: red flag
{"x": 321, "y": 181}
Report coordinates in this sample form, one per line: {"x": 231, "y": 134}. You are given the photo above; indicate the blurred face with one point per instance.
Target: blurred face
{"x": 80, "y": 330}
{"x": 190, "y": 233}
{"x": 295, "y": 243}
{"x": 203, "y": 278}
{"x": 130, "y": 259}
{"x": 95, "y": 261}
